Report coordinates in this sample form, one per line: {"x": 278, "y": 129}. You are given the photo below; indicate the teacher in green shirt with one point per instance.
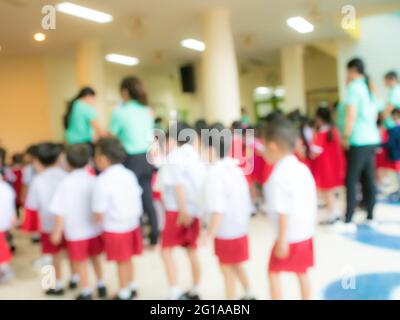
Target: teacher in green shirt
{"x": 133, "y": 123}
{"x": 360, "y": 137}
{"x": 81, "y": 119}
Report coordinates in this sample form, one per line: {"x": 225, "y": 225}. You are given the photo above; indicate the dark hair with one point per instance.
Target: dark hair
{"x": 283, "y": 132}
{"x": 112, "y": 149}
{"x": 200, "y": 125}
{"x": 324, "y": 113}
{"x": 158, "y": 120}
{"x": 3, "y": 154}
{"x": 17, "y": 158}
{"x": 396, "y": 112}
{"x": 78, "y": 155}
{"x": 220, "y": 139}
{"x": 358, "y": 65}
{"x": 391, "y": 75}
{"x": 135, "y": 89}
{"x": 236, "y": 125}
{"x": 273, "y": 115}
{"x": 47, "y": 153}
{"x": 181, "y": 132}
{"x": 84, "y": 92}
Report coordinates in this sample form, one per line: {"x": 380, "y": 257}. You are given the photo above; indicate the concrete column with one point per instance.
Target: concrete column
{"x": 292, "y": 64}
{"x": 219, "y": 65}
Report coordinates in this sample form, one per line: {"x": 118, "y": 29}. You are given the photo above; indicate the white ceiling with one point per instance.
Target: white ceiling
{"x": 152, "y": 29}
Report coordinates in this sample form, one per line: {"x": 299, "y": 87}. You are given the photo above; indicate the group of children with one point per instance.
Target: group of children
{"x": 200, "y": 183}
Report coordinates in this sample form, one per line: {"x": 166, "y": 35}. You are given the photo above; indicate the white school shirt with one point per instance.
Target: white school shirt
{"x": 73, "y": 201}
{"x": 40, "y": 194}
{"x": 184, "y": 167}
{"x": 226, "y": 192}
{"x": 28, "y": 172}
{"x": 117, "y": 195}
{"x": 7, "y": 206}
{"x": 291, "y": 190}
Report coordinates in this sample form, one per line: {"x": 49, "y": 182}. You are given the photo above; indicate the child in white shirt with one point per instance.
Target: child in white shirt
{"x": 118, "y": 207}
{"x": 227, "y": 200}
{"x": 39, "y": 197}
{"x": 7, "y": 221}
{"x": 291, "y": 199}
{"x": 181, "y": 181}
{"x": 72, "y": 206}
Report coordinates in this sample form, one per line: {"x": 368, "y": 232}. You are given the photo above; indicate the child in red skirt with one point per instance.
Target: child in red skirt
{"x": 118, "y": 207}
{"x": 181, "y": 183}
{"x": 291, "y": 200}
{"x": 7, "y": 221}
{"x": 40, "y": 193}
{"x": 71, "y": 204}
{"x": 227, "y": 199}
{"x": 328, "y": 164}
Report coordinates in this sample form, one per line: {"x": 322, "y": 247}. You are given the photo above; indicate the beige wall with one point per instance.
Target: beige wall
{"x": 24, "y": 107}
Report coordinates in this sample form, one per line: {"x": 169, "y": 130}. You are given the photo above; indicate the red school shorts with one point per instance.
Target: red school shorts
{"x": 5, "y": 252}
{"x": 300, "y": 258}
{"x": 232, "y": 251}
{"x": 48, "y": 247}
{"x": 122, "y": 246}
{"x": 81, "y": 250}
{"x": 174, "y": 235}
{"x": 31, "y": 221}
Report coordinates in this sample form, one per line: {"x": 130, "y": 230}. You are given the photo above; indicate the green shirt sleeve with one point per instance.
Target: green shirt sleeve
{"x": 115, "y": 123}
{"x": 352, "y": 96}
{"x": 89, "y": 113}
{"x": 394, "y": 96}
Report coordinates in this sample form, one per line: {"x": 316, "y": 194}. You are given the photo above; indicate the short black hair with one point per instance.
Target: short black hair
{"x": 283, "y": 132}
{"x": 17, "y": 158}
{"x": 3, "y": 154}
{"x": 199, "y": 125}
{"x": 220, "y": 139}
{"x": 181, "y": 132}
{"x": 396, "y": 112}
{"x": 357, "y": 64}
{"x": 391, "y": 75}
{"x": 78, "y": 155}
{"x": 112, "y": 149}
{"x": 48, "y": 152}
{"x": 32, "y": 150}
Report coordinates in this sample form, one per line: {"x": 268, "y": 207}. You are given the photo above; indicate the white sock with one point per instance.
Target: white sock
{"x": 174, "y": 293}
{"x": 133, "y": 286}
{"x": 124, "y": 293}
{"x": 194, "y": 290}
{"x": 248, "y": 293}
{"x": 75, "y": 278}
{"x": 59, "y": 285}
{"x": 86, "y": 291}
{"x": 100, "y": 283}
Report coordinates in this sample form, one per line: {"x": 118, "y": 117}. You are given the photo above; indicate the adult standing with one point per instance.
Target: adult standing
{"x": 81, "y": 120}
{"x": 360, "y": 137}
{"x": 133, "y": 124}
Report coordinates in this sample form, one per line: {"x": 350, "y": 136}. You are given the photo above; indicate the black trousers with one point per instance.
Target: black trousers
{"x": 144, "y": 171}
{"x": 360, "y": 168}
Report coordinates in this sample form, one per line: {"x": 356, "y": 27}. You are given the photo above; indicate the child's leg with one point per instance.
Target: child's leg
{"x": 305, "y": 286}
{"x": 57, "y": 266}
{"x": 195, "y": 266}
{"x": 331, "y": 203}
{"x": 229, "y": 279}
{"x": 243, "y": 278}
{"x": 274, "y": 286}
{"x": 170, "y": 266}
{"x": 124, "y": 273}
{"x": 81, "y": 268}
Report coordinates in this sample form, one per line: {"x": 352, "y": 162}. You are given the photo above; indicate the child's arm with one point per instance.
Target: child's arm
{"x": 213, "y": 226}
{"x": 183, "y": 217}
{"x": 282, "y": 246}
{"x": 56, "y": 236}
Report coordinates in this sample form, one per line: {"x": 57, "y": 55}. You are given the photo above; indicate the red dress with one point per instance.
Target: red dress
{"x": 262, "y": 169}
{"x": 17, "y": 184}
{"x": 328, "y": 167}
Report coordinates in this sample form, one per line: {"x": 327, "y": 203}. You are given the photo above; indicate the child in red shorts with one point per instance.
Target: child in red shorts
{"x": 71, "y": 204}
{"x": 291, "y": 200}
{"x": 40, "y": 193}
{"x": 118, "y": 207}
{"x": 181, "y": 182}
{"x": 7, "y": 221}
{"x": 227, "y": 199}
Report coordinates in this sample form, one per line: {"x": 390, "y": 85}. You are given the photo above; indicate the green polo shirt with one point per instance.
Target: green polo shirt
{"x": 79, "y": 127}
{"x": 365, "y": 130}
{"x": 133, "y": 124}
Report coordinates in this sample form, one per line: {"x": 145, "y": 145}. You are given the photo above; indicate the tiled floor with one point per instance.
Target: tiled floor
{"x": 338, "y": 258}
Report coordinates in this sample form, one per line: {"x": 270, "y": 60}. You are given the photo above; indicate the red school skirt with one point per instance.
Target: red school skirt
{"x": 48, "y": 247}
{"x": 31, "y": 221}
{"x": 5, "y": 252}
{"x": 81, "y": 250}
{"x": 232, "y": 251}
{"x": 174, "y": 235}
{"x": 122, "y": 246}
{"x": 300, "y": 258}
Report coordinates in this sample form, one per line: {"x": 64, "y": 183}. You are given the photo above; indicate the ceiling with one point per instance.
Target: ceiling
{"x": 152, "y": 29}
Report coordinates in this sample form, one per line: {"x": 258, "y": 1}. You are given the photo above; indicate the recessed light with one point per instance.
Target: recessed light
{"x": 300, "y": 25}
{"x": 39, "y": 37}
{"x": 83, "y": 12}
{"x": 263, "y": 90}
{"x": 121, "y": 59}
{"x": 193, "y": 44}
